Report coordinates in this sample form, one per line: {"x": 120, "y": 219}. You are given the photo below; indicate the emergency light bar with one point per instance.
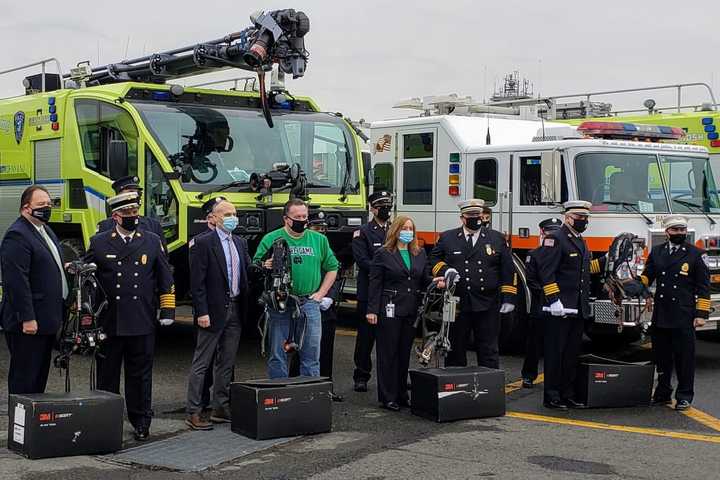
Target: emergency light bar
{"x": 630, "y": 131}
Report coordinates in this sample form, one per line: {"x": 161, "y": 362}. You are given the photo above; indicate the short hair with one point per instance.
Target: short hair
{"x": 218, "y": 203}
{"x": 295, "y": 202}
{"x": 27, "y": 195}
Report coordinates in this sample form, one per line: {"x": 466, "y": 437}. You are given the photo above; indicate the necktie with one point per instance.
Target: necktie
{"x": 234, "y": 267}
{"x": 470, "y": 240}
{"x": 56, "y": 256}
{"x": 672, "y": 249}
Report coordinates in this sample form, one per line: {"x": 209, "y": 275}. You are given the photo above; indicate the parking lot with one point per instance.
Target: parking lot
{"x": 370, "y": 443}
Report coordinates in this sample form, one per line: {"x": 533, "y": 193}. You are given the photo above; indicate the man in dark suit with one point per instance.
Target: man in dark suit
{"x": 219, "y": 267}
{"x": 147, "y": 224}
{"x": 536, "y": 319}
{"x": 132, "y": 269}
{"x": 366, "y": 241}
{"x": 34, "y": 289}
{"x": 487, "y": 285}
{"x": 682, "y": 303}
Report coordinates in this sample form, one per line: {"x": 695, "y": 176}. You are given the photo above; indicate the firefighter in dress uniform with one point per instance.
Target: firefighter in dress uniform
{"x": 132, "y": 269}
{"x": 564, "y": 269}
{"x": 147, "y": 224}
{"x": 366, "y": 241}
{"x": 487, "y": 278}
{"x": 536, "y": 320}
{"x": 682, "y": 303}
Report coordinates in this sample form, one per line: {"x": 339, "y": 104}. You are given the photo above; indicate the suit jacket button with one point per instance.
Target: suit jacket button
{"x": 119, "y": 274}
{"x": 117, "y": 298}
{"x": 117, "y": 286}
{"x": 134, "y": 297}
{"x": 119, "y": 263}
{"x": 468, "y": 287}
{"x": 466, "y": 261}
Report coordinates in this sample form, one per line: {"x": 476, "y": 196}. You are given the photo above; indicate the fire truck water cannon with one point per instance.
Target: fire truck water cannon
{"x": 630, "y": 131}
{"x": 276, "y": 37}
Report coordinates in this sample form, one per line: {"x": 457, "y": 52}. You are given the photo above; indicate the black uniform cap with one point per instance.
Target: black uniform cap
{"x": 207, "y": 207}
{"x": 550, "y": 224}
{"x": 379, "y": 198}
{"x": 126, "y": 182}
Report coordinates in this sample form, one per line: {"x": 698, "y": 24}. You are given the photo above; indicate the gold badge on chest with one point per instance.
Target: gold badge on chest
{"x": 143, "y": 259}
{"x": 684, "y": 269}
{"x": 488, "y": 249}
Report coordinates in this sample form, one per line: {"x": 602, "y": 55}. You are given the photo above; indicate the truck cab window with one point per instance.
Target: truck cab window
{"x": 530, "y": 182}
{"x": 384, "y": 176}
{"x": 485, "y": 180}
{"x": 418, "y": 153}
{"x": 160, "y": 200}
{"x": 98, "y": 124}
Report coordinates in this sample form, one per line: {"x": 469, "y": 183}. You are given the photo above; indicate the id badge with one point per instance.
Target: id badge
{"x": 390, "y": 310}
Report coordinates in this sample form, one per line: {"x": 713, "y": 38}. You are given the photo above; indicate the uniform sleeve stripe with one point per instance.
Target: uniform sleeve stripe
{"x": 595, "y": 266}
{"x": 167, "y": 300}
{"x": 508, "y": 289}
{"x": 551, "y": 288}
{"x": 702, "y": 304}
{"x": 437, "y": 267}
{"x": 645, "y": 280}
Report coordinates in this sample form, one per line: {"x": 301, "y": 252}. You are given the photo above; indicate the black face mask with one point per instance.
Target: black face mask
{"x": 129, "y": 223}
{"x": 677, "y": 238}
{"x": 298, "y": 226}
{"x": 580, "y": 225}
{"x": 472, "y": 223}
{"x": 383, "y": 214}
{"x": 42, "y": 213}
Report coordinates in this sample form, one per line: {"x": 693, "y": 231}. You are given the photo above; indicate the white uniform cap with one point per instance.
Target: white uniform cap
{"x": 473, "y": 205}
{"x": 124, "y": 200}
{"x": 581, "y": 207}
{"x": 674, "y": 221}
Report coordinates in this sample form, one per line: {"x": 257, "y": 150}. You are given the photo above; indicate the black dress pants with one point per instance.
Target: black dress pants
{"x": 394, "y": 341}
{"x": 364, "y": 344}
{"x": 134, "y": 354}
{"x": 485, "y": 328}
{"x": 674, "y": 348}
{"x": 563, "y": 343}
{"x": 533, "y": 345}
{"x": 30, "y": 357}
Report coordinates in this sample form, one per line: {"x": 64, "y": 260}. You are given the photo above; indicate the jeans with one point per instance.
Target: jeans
{"x": 309, "y": 352}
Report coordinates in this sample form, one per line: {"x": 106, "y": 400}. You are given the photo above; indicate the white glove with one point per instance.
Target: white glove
{"x": 448, "y": 273}
{"x": 165, "y": 322}
{"x": 326, "y": 303}
{"x": 557, "y": 309}
{"x": 507, "y": 308}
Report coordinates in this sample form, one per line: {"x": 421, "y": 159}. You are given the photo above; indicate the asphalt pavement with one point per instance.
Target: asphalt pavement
{"x": 370, "y": 443}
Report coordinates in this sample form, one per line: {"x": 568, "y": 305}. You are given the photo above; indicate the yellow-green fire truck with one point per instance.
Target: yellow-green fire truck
{"x": 185, "y": 145}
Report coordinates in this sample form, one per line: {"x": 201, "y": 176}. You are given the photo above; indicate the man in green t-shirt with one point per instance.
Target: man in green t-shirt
{"x": 311, "y": 255}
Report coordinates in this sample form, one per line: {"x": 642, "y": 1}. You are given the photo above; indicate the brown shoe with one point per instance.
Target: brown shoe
{"x": 195, "y": 422}
{"x": 220, "y": 415}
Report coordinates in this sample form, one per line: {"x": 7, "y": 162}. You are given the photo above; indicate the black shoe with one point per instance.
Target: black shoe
{"x": 392, "y": 406}
{"x": 661, "y": 401}
{"x": 574, "y": 404}
{"x": 336, "y": 398}
{"x": 682, "y": 405}
{"x": 527, "y": 383}
{"x": 556, "y": 404}
{"x": 141, "y": 434}
{"x": 405, "y": 403}
{"x": 360, "y": 386}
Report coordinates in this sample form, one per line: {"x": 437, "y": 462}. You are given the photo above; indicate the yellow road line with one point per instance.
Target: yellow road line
{"x": 346, "y": 332}
{"x": 702, "y": 417}
{"x": 617, "y": 428}
{"x": 514, "y": 386}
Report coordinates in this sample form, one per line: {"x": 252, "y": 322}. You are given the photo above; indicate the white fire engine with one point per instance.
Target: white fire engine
{"x": 525, "y": 169}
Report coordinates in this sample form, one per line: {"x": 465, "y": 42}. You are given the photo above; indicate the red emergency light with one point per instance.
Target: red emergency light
{"x": 630, "y": 131}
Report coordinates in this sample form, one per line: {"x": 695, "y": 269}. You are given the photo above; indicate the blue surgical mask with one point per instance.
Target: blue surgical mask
{"x": 230, "y": 223}
{"x": 406, "y": 236}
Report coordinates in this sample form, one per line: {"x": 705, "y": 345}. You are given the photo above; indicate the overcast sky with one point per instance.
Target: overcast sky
{"x": 366, "y": 55}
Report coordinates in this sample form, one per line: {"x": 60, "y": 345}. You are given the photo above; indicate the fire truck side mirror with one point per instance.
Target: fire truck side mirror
{"x": 118, "y": 159}
{"x": 550, "y": 176}
{"x": 367, "y": 169}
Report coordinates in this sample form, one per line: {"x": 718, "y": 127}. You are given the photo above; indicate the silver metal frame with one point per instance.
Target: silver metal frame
{"x": 43, "y": 66}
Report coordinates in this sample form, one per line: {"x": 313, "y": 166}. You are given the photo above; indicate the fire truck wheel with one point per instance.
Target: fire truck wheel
{"x": 72, "y": 249}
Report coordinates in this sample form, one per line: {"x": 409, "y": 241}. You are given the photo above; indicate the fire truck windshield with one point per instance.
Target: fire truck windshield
{"x": 644, "y": 183}
{"x": 218, "y": 145}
